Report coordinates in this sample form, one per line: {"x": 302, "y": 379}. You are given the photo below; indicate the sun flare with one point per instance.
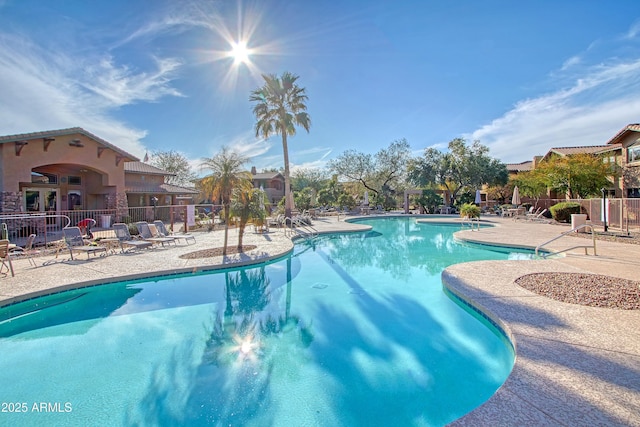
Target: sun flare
{"x": 239, "y": 52}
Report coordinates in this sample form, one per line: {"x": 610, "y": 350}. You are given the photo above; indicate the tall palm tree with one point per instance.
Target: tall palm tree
{"x": 280, "y": 107}
{"x": 227, "y": 175}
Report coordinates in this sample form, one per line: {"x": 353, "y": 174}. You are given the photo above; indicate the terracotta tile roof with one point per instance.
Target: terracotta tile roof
{"x": 520, "y": 167}
{"x": 634, "y": 127}
{"x": 267, "y": 175}
{"x": 567, "y": 151}
{"x": 139, "y": 167}
{"x": 160, "y": 189}
{"x": 62, "y": 132}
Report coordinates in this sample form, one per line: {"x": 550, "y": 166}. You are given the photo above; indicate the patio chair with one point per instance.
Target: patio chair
{"x": 146, "y": 234}
{"x": 165, "y": 233}
{"x": 27, "y": 251}
{"x": 123, "y": 235}
{"x": 278, "y": 221}
{"x": 75, "y": 242}
{"x": 5, "y": 259}
{"x": 539, "y": 217}
{"x": 524, "y": 214}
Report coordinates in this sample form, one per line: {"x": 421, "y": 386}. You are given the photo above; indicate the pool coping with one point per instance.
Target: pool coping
{"x": 575, "y": 365}
{"x": 550, "y": 387}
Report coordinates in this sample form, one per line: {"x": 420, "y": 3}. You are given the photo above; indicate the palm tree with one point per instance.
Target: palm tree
{"x": 280, "y": 108}
{"x": 227, "y": 175}
{"x": 247, "y": 204}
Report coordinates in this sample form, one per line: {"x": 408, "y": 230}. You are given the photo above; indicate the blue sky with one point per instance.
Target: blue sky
{"x": 155, "y": 75}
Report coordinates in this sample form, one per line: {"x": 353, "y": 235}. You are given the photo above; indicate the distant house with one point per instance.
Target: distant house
{"x": 515, "y": 168}
{"x": 611, "y": 153}
{"x": 73, "y": 169}
{"x": 271, "y": 182}
{"x": 628, "y": 139}
{"x": 144, "y": 182}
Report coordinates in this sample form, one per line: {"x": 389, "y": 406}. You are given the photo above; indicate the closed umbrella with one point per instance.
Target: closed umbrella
{"x": 261, "y": 197}
{"x": 366, "y": 198}
{"x": 478, "y": 198}
{"x": 515, "y": 199}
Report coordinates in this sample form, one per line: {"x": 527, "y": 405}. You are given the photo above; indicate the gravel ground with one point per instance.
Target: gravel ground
{"x": 585, "y": 289}
{"x": 589, "y": 289}
{"x": 631, "y": 238}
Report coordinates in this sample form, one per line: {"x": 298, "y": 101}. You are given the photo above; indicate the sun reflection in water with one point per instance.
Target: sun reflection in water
{"x": 246, "y": 348}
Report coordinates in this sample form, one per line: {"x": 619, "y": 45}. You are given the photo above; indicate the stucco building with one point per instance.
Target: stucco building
{"x": 73, "y": 169}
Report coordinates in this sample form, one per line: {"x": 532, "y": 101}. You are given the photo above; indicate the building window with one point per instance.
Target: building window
{"x": 44, "y": 178}
{"x": 75, "y": 180}
{"x": 633, "y": 193}
{"x": 633, "y": 153}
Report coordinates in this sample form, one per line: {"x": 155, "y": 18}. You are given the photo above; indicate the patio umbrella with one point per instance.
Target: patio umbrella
{"x": 366, "y": 198}
{"x": 515, "y": 199}
{"x": 261, "y": 197}
{"x": 478, "y": 198}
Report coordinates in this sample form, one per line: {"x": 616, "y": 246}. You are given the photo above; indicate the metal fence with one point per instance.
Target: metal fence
{"x": 47, "y": 226}
{"x": 622, "y": 215}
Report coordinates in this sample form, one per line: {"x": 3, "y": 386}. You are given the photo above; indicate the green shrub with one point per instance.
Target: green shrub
{"x": 470, "y": 210}
{"x": 346, "y": 201}
{"x": 562, "y": 211}
{"x": 133, "y": 230}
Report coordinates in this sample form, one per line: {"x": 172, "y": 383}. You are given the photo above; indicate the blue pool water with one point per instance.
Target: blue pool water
{"x": 349, "y": 330}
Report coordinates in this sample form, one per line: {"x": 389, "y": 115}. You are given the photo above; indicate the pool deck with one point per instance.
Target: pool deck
{"x": 575, "y": 365}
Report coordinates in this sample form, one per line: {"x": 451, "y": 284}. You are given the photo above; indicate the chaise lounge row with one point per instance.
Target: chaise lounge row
{"x": 150, "y": 234}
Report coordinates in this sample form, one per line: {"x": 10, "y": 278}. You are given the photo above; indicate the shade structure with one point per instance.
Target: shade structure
{"x": 515, "y": 199}
{"x": 478, "y": 198}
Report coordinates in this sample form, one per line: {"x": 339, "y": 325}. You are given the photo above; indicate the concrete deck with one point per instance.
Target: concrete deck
{"x": 575, "y": 365}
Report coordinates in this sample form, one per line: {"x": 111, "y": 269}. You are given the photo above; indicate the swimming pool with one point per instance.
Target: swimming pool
{"x": 349, "y": 329}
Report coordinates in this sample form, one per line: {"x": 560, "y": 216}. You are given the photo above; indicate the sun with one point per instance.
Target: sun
{"x": 239, "y": 52}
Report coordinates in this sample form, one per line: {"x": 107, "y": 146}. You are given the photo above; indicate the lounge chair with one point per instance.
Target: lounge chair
{"x": 27, "y": 251}
{"x": 146, "y": 234}
{"x": 75, "y": 242}
{"x": 539, "y": 217}
{"x": 278, "y": 221}
{"x": 5, "y": 259}
{"x": 165, "y": 233}
{"x": 123, "y": 235}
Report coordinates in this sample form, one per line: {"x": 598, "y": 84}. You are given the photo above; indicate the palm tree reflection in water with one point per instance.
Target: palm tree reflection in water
{"x": 239, "y": 334}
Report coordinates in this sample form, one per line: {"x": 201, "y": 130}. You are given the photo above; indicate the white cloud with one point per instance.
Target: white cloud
{"x": 174, "y": 17}
{"x": 574, "y": 60}
{"x": 633, "y": 30}
{"x": 45, "y": 89}
{"x": 589, "y": 112}
{"x": 119, "y": 85}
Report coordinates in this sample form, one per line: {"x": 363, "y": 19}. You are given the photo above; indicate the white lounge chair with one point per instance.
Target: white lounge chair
{"x": 146, "y": 234}
{"x": 539, "y": 217}
{"x": 165, "y": 233}
{"x": 123, "y": 235}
